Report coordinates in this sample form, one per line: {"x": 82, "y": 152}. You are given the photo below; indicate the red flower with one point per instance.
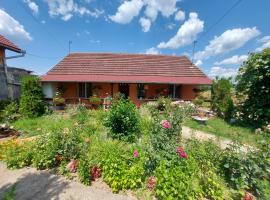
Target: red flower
{"x": 248, "y": 196}
{"x": 165, "y": 124}
{"x": 136, "y": 154}
{"x": 151, "y": 183}
{"x": 72, "y": 166}
{"x": 95, "y": 173}
{"x": 181, "y": 152}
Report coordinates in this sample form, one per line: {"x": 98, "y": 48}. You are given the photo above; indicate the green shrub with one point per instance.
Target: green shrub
{"x": 163, "y": 103}
{"x": 246, "y": 169}
{"x": 84, "y": 170}
{"x": 222, "y": 98}
{"x": 120, "y": 169}
{"x": 32, "y": 102}
{"x": 252, "y": 88}
{"x": 4, "y": 103}
{"x": 123, "y": 120}
{"x": 11, "y": 112}
{"x": 95, "y": 100}
{"x": 17, "y": 155}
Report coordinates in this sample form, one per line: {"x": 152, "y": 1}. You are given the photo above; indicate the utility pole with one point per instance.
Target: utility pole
{"x": 69, "y": 45}
{"x": 193, "y": 50}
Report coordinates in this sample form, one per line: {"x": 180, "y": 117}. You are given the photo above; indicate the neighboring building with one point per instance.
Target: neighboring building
{"x": 138, "y": 76}
{"x": 10, "y": 76}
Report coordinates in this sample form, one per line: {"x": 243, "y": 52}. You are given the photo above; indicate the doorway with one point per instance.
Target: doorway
{"x": 124, "y": 89}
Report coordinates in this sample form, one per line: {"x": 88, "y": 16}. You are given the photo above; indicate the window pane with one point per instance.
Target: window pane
{"x": 88, "y": 90}
{"x": 140, "y": 91}
{"x": 82, "y": 90}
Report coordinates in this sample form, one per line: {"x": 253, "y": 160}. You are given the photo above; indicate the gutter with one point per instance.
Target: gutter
{"x": 22, "y": 54}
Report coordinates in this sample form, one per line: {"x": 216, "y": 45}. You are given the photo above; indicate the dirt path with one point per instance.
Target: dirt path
{"x": 203, "y": 136}
{"x": 34, "y": 184}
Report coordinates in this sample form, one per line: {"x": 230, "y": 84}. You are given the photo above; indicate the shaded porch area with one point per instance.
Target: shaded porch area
{"x": 139, "y": 93}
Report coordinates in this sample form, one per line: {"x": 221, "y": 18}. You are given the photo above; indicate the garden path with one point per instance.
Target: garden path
{"x": 35, "y": 184}
{"x": 188, "y": 133}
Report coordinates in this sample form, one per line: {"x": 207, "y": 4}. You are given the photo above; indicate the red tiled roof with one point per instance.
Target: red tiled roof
{"x": 4, "y": 42}
{"x": 127, "y": 68}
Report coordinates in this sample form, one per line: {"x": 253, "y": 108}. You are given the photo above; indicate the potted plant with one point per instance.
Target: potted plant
{"x": 59, "y": 101}
{"x": 95, "y": 101}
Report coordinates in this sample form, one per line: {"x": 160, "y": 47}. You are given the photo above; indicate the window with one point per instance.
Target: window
{"x": 140, "y": 91}
{"x": 85, "y": 90}
{"x": 174, "y": 91}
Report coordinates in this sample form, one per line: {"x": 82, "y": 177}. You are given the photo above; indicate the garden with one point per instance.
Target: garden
{"x": 141, "y": 150}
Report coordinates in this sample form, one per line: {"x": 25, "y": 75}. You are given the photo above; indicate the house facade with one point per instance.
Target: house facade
{"x": 10, "y": 76}
{"x": 140, "y": 77}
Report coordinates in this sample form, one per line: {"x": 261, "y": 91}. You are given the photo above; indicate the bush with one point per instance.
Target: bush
{"x": 252, "y": 87}
{"x": 222, "y": 101}
{"x": 17, "y": 155}
{"x": 32, "y": 102}
{"x": 11, "y": 112}
{"x": 123, "y": 120}
{"x": 245, "y": 170}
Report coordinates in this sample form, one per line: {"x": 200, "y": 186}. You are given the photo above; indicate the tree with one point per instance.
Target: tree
{"x": 222, "y": 101}
{"x": 32, "y": 102}
{"x": 253, "y": 88}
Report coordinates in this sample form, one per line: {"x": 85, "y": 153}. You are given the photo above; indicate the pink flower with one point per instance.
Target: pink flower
{"x": 136, "y": 154}
{"x": 165, "y": 124}
{"x": 151, "y": 183}
{"x": 95, "y": 173}
{"x": 181, "y": 152}
{"x": 72, "y": 166}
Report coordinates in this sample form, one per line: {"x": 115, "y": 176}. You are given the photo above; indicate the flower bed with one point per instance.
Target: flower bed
{"x": 152, "y": 158}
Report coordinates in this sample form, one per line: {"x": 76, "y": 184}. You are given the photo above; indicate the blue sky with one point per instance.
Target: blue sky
{"x": 44, "y": 27}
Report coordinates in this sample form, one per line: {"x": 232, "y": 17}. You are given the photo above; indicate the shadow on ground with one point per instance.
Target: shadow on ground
{"x": 36, "y": 186}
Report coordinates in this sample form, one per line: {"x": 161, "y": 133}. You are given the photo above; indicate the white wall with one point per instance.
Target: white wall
{"x": 48, "y": 89}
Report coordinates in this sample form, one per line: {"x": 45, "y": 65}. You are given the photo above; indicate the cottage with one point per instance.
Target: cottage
{"x": 10, "y": 76}
{"x": 137, "y": 76}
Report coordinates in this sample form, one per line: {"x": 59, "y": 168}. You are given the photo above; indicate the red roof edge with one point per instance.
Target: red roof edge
{"x": 7, "y": 44}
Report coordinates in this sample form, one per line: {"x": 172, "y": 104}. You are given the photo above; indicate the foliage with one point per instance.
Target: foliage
{"x": 163, "y": 103}
{"x": 95, "y": 100}
{"x": 58, "y": 99}
{"x": 221, "y": 98}
{"x": 16, "y": 155}
{"x": 4, "y": 103}
{"x": 253, "y": 82}
{"x": 32, "y": 100}
{"x": 246, "y": 169}
{"x": 11, "y": 112}
{"x": 84, "y": 171}
{"x": 123, "y": 120}
{"x": 120, "y": 169}
{"x": 10, "y": 194}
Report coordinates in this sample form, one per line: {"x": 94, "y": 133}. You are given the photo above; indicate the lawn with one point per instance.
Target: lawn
{"x": 223, "y": 129}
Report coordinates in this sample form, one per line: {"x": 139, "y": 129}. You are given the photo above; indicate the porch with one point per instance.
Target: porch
{"x": 139, "y": 93}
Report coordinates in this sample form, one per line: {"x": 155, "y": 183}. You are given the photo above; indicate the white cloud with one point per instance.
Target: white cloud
{"x": 171, "y": 26}
{"x": 11, "y": 28}
{"x": 186, "y": 34}
{"x": 152, "y": 51}
{"x": 198, "y": 63}
{"x": 228, "y": 41}
{"x": 32, "y": 5}
{"x": 180, "y": 16}
{"x": 131, "y": 8}
{"x": 222, "y": 72}
{"x": 233, "y": 60}
{"x": 67, "y": 8}
{"x": 165, "y": 7}
{"x": 43, "y": 22}
{"x": 145, "y": 24}
{"x": 127, "y": 11}
{"x": 265, "y": 43}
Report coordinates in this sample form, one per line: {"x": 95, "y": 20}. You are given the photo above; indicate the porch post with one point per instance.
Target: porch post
{"x": 112, "y": 89}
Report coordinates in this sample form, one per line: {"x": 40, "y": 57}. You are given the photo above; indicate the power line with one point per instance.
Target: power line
{"x": 43, "y": 57}
{"x": 220, "y": 19}
{"x": 43, "y": 28}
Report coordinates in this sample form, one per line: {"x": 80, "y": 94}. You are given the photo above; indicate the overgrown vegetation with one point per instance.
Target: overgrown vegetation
{"x": 253, "y": 82}
{"x": 222, "y": 102}
{"x": 32, "y": 102}
{"x": 144, "y": 152}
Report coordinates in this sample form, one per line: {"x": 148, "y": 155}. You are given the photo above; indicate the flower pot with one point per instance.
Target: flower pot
{"x": 59, "y": 107}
